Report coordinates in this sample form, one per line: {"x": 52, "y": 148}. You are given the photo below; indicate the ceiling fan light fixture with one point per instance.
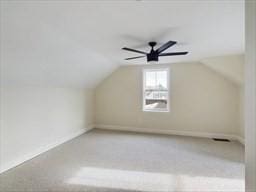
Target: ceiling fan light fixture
{"x": 152, "y": 62}
{"x": 153, "y": 55}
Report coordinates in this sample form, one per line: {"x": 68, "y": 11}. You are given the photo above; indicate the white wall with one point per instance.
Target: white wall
{"x": 35, "y": 119}
{"x": 202, "y": 101}
{"x": 242, "y": 115}
{"x": 250, "y": 97}
{"x": 230, "y": 66}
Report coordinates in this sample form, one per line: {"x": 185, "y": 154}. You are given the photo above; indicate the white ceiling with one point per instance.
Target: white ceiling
{"x": 78, "y": 43}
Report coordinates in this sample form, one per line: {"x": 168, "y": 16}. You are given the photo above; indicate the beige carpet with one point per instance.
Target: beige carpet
{"x": 123, "y": 161}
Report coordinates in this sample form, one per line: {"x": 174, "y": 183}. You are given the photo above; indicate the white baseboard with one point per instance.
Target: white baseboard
{"x": 171, "y": 132}
{"x": 43, "y": 149}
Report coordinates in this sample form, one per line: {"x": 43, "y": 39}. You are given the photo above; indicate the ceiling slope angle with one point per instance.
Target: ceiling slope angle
{"x": 229, "y": 66}
{"x": 78, "y": 43}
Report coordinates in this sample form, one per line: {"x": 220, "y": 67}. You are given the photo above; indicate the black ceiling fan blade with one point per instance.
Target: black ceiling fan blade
{"x": 134, "y": 57}
{"x": 173, "y": 54}
{"x": 134, "y": 50}
{"x": 166, "y": 46}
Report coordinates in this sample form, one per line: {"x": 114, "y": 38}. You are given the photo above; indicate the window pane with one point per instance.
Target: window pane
{"x": 161, "y": 79}
{"x": 151, "y": 94}
{"x": 156, "y": 80}
{"x": 156, "y": 100}
{"x": 150, "y": 80}
{"x": 155, "y": 104}
{"x": 156, "y": 90}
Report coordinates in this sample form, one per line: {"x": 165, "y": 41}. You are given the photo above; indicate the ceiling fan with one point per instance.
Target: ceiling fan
{"x": 153, "y": 55}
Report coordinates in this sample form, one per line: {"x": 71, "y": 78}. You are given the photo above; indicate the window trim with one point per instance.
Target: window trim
{"x": 167, "y": 69}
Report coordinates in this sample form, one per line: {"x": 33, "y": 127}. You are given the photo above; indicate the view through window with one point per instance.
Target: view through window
{"x": 156, "y": 90}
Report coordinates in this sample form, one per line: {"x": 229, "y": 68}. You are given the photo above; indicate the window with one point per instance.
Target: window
{"x": 156, "y": 90}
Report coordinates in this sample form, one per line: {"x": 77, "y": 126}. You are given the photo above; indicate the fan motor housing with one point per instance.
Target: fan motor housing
{"x": 152, "y": 57}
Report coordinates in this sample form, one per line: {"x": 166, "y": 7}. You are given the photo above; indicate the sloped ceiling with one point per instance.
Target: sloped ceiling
{"x": 78, "y": 43}
{"x": 230, "y": 66}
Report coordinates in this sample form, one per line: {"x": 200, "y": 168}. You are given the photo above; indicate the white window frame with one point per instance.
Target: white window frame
{"x": 144, "y": 85}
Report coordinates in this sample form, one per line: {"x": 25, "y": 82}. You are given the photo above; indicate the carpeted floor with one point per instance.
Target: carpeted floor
{"x": 122, "y": 161}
